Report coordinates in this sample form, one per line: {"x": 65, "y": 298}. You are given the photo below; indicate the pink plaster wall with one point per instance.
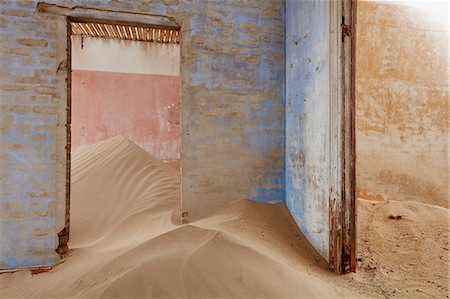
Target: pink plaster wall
{"x": 144, "y": 108}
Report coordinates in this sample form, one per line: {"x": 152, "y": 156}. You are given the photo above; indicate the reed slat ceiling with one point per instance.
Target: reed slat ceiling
{"x": 127, "y": 32}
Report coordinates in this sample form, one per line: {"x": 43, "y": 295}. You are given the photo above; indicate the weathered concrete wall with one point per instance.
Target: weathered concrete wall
{"x": 126, "y": 88}
{"x": 308, "y": 118}
{"x": 402, "y": 101}
{"x": 232, "y": 64}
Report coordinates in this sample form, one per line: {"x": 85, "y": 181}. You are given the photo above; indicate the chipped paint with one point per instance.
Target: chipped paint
{"x": 232, "y": 112}
{"x": 308, "y": 119}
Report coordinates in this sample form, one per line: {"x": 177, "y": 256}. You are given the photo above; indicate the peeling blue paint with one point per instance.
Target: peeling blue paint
{"x": 307, "y": 118}
{"x": 236, "y": 59}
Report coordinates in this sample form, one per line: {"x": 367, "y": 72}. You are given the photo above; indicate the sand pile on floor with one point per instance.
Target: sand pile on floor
{"x": 126, "y": 242}
{"x": 403, "y": 250}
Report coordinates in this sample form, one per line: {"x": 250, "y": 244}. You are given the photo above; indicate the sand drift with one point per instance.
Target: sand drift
{"x": 126, "y": 241}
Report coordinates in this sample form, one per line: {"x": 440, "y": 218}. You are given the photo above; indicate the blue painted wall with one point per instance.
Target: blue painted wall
{"x": 232, "y": 83}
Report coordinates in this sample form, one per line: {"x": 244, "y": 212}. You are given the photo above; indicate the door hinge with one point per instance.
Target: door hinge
{"x": 346, "y": 31}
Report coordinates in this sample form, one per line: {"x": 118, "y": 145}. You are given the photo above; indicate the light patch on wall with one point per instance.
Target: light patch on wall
{"x": 127, "y": 88}
{"x": 125, "y": 56}
{"x": 433, "y": 11}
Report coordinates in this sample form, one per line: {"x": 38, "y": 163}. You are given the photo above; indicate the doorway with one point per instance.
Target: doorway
{"x": 127, "y": 85}
{"x": 123, "y": 81}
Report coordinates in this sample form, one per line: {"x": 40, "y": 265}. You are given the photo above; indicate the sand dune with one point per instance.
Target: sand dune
{"x": 126, "y": 242}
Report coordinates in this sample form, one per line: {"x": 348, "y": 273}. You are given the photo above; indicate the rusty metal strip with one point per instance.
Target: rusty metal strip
{"x": 63, "y": 235}
{"x": 91, "y": 14}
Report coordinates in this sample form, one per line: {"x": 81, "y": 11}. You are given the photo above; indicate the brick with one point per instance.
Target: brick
{"x": 50, "y": 54}
{"x": 4, "y": 146}
{"x": 23, "y": 127}
{"x": 47, "y": 213}
{"x": 46, "y": 90}
{"x": 6, "y": 120}
{"x": 17, "y": 51}
{"x": 15, "y": 12}
{"x": 25, "y": 3}
{"x": 33, "y": 99}
{"x": 40, "y": 166}
{"x": 15, "y": 108}
{"x": 3, "y": 22}
{"x": 14, "y": 214}
{"x": 39, "y": 194}
{"x": 232, "y": 43}
{"x": 12, "y": 88}
{"x": 33, "y": 42}
{"x": 42, "y": 232}
{"x": 45, "y": 109}
{"x": 42, "y": 251}
{"x": 31, "y": 80}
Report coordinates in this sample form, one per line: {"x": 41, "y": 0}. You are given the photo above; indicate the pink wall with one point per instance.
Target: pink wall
{"x": 144, "y": 108}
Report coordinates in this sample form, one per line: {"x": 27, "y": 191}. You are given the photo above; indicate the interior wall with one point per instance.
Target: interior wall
{"x": 232, "y": 113}
{"x": 402, "y": 101}
{"x": 127, "y": 88}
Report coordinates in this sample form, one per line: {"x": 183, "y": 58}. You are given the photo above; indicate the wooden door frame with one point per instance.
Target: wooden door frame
{"x": 90, "y": 14}
{"x": 342, "y": 246}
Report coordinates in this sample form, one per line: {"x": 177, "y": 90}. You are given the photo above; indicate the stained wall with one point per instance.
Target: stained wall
{"x": 232, "y": 113}
{"x": 126, "y": 88}
{"x": 308, "y": 136}
{"x": 402, "y": 98}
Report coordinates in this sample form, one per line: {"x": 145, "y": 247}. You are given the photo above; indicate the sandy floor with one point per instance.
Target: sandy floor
{"x": 126, "y": 242}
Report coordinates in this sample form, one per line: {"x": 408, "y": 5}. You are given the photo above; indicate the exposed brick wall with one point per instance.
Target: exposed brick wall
{"x": 32, "y": 134}
{"x": 232, "y": 113}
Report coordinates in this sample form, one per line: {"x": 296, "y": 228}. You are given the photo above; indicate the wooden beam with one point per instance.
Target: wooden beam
{"x": 87, "y": 14}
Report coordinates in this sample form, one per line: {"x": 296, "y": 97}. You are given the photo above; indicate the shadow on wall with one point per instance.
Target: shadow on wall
{"x": 402, "y": 98}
